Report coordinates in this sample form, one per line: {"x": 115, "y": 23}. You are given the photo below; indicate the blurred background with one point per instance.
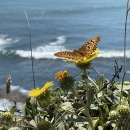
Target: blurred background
{"x": 58, "y": 25}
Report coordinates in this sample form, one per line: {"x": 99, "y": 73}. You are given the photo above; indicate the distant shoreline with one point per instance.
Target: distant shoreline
{"x": 12, "y": 95}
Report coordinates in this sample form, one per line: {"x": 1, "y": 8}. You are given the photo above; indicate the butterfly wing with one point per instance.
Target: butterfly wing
{"x": 88, "y": 48}
{"x": 85, "y": 50}
{"x": 74, "y": 55}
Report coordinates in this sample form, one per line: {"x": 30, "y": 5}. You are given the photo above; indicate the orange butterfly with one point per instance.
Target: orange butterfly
{"x": 86, "y": 50}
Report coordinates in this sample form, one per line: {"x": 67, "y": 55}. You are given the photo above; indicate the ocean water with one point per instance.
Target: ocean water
{"x": 58, "y": 25}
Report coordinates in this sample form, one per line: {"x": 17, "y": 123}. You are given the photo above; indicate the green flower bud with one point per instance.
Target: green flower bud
{"x": 66, "y": 83}
{"x": 83, "y": 66}
{"x": 113, "y": 114}
{"x": 123, "y": 110}
{"x": 44, "y": 125}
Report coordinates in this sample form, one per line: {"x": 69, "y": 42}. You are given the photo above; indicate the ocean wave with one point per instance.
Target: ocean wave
{"x": 48, "y": 51}
{"x": 18, "y": 88}
{"x": 5, "y": 39}
{"x": 41, "y": 52}
{"x": 58, "y": 40}
{"x": 83, "y": 9}
{"x": 113, "y": 53}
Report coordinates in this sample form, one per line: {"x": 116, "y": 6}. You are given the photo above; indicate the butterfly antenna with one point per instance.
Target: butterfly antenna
{"x": 30, "y": 47}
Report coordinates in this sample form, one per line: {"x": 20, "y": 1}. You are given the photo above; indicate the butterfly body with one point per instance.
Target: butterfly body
{"x": 87, "y": 49}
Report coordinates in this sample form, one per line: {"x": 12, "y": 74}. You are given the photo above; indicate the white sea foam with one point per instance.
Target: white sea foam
{"x": 48, "y": 52}
{"x": 18, "y": 88}
{"x": 113, "y": 53}
{"x": 6, "y": 104}
{"x": 5, "y": 39}
{"x": 58, "y": 40}
{"x": 41, "y": 52}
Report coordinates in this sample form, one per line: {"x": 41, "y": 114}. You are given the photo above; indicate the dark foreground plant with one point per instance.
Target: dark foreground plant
{"x": 73, "y": 104}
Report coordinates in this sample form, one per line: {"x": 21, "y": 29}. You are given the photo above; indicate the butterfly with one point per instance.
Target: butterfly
{"x": 85, "y": 50}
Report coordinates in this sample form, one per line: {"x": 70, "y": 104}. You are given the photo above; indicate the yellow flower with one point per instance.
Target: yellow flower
{"x": 7, "y": 116}
{"x": 86, "y": 58}
{"x": 65, "y": 81}
{"x": 61, "y": 75}
{"x": 65, "y": 73}
{"x": 41, "y": 93}
{"x": 6, "y": 113}
{"x": 85, "y": 63}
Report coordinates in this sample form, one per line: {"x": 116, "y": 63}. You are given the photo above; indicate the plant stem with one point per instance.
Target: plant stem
{"x": 85, "y": 107}
{"x": 86, "y": 81}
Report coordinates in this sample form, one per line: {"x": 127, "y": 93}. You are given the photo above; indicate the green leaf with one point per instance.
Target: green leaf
{"x": 28, "y": 99}
{"x": 56, "y": 89}
{"x": 95, "y": 121}
{"x": 63, "y": 126}
{"x": 100, "y": 128}
{"x": 28, "y": 112}
{"x": 55, "y": 92}
{"x": 90, "y": 95}
{"x": 129, "y": 97}
{"x": 113, "y": 99}
{"x": 67, "y": 106}
{"x": 94, "y": 83}
{"x": 81, "y": 128}
{"x": 103, "y": 111}
{"x": 33, "y": 104}
{"x": 16, "y": 118}
{"x": 23, "y": 110}
{"x": 75, "y": 118}
{"x": 93, "y": 107}
{"x": 100, "y": 82}
{"x": 14, "y": 128}
{"x": 77, "y": 105}
{"x": 126, "y": 85}
{"x": 39, "y": 109}
{"x": 32, "y": 122}
{"x": 43, "y": 113}
{"x": 12, "y": 110}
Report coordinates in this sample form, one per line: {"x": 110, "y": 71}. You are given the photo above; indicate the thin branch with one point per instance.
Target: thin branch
{"x": 51, "y": 76}
{"x": 30, "y": 47}
{"x": 127, "y": 10}
{"x": 95, "y": 70}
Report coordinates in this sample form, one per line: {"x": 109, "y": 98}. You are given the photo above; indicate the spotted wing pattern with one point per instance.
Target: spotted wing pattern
{"x": 87, "y": 49}
{"x": 70, "y": 55}
{"x": 90, "y": 46}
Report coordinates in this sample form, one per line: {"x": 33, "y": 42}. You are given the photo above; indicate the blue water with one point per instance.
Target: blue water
{"x": 58, "y": 25}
